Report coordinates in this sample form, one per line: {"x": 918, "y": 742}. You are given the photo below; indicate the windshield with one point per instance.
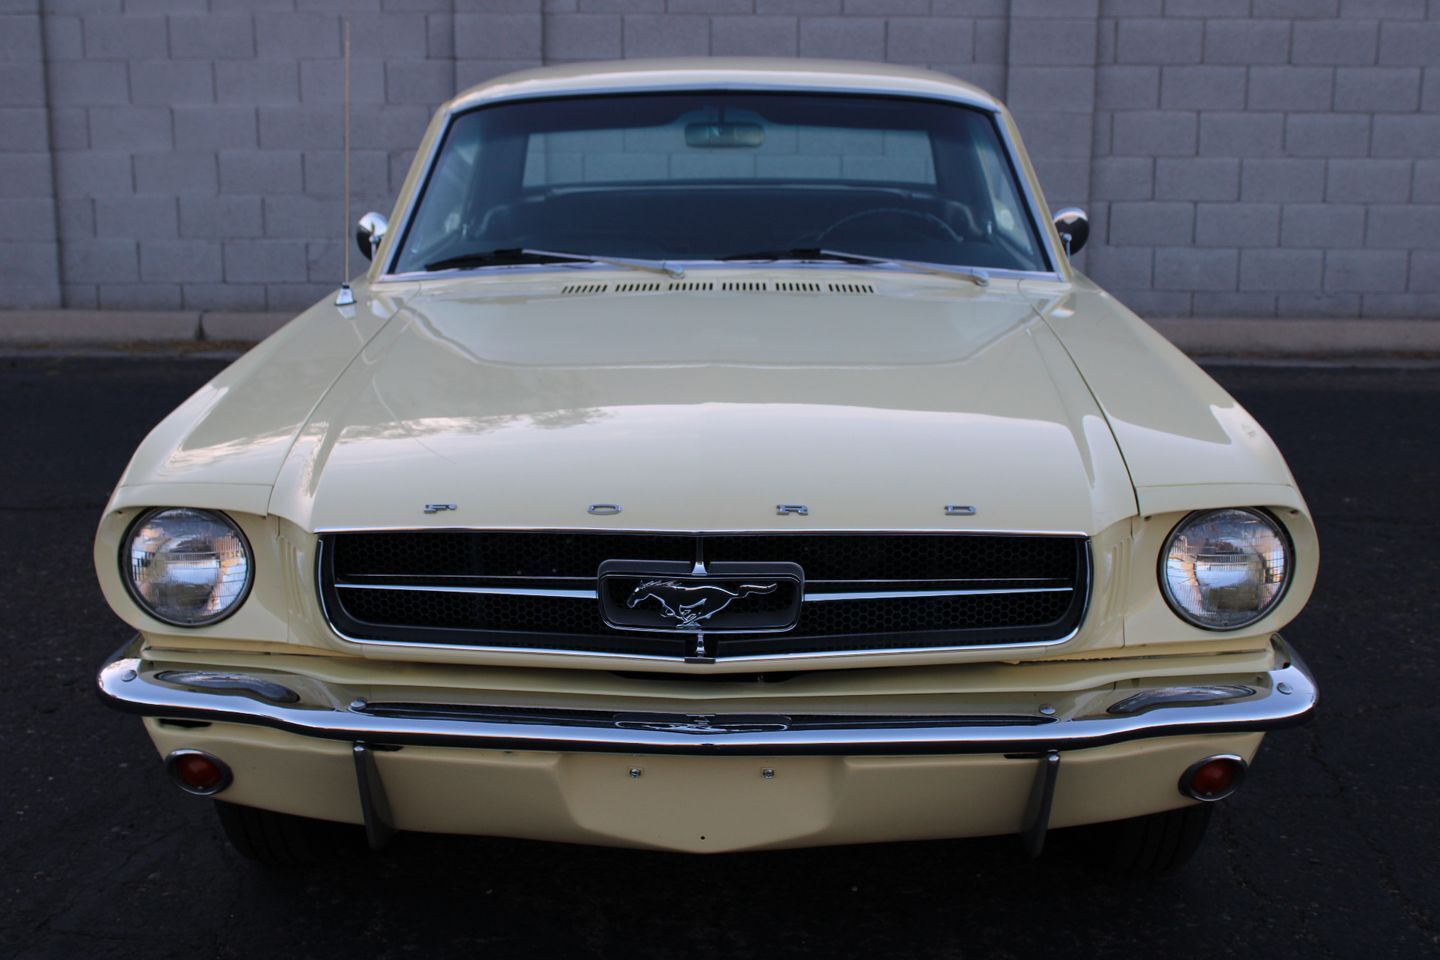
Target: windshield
{"x": 711, "y": 176}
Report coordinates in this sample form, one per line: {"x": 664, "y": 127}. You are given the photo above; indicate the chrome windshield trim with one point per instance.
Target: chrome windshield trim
{"x": 468, "y": 101}
{"x": 1285, "y": 696}
{"x": 509, "y": 269}
{"x": 1045, "y": 233}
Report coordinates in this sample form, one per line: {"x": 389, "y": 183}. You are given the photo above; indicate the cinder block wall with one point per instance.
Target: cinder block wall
{"x": 1238, "y": 157}
{"x": 1255, "y": 157}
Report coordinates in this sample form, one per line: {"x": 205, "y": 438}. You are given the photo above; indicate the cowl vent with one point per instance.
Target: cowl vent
{"x": 707, "y": 286}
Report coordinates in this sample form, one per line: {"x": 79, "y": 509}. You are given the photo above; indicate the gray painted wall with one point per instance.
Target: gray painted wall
{"x": 1238, "y": 157}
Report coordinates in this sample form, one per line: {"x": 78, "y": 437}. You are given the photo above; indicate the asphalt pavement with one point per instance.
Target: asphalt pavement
{"x": 1332, "y": 849}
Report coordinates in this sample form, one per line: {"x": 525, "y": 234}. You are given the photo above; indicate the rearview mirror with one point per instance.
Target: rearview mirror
{"x": 369, "y": 231}
{"x": 724, "y": 135}
{"x": 1074, "y": 229}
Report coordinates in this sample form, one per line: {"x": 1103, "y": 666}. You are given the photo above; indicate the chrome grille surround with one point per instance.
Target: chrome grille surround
{"x": 553, "y": 608}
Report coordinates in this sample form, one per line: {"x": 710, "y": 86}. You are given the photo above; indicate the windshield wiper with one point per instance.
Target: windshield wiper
{"x": 801, "y": 254}
{"x": 517, "y": 255}
{"x": 804, "y": 254}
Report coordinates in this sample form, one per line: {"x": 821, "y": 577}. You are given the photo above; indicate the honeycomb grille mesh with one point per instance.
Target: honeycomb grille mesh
{"x": 361, "y": 574}
{"x": 503, "y": 554}
{"x": 913, "y": 557}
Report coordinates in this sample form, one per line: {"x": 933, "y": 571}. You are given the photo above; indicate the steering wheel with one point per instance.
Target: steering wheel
{"x": 928, "y": 218}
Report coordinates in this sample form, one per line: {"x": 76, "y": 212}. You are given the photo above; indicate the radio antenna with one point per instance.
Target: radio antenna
{"x": 346, "y": 296}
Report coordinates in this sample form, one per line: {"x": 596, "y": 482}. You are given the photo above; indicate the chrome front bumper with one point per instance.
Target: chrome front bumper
{"x": 1280, "y": 697}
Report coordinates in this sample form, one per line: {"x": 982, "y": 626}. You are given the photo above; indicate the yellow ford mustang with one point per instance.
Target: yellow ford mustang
{"x": 717, "y": 455}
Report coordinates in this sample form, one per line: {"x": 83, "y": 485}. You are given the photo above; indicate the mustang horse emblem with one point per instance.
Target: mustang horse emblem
{"x": 692, "y": 605}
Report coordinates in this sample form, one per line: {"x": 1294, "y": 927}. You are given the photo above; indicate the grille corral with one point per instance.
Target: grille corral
{"x": 862, "y": 591}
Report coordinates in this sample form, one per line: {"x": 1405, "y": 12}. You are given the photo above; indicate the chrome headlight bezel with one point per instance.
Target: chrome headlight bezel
{"x": 215, "y": 516}
{"x": 1198, "y": 516}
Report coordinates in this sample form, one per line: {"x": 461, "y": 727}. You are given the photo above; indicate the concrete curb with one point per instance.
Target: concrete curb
{"x": 63, "y": 328}
{"x": 1301, "y": 338}
{"x": 1266, "y": 337}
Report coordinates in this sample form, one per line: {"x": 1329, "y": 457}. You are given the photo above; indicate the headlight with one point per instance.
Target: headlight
{"x": 1225, "y": 569}
{"x": 186, "y": 567}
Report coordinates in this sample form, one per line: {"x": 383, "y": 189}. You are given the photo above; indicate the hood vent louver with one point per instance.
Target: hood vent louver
{"x": 706, "y": 286}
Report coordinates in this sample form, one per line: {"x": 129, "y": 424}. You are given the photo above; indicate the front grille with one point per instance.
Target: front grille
{"x": 537, "y": 590}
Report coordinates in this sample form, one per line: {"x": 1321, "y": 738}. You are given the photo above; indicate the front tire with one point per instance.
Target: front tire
{"x": 1156, "y": 845}
{"x": 280, "y": 840}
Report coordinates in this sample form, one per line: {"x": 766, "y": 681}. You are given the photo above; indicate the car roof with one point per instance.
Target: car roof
{"x": 723, "y": 73}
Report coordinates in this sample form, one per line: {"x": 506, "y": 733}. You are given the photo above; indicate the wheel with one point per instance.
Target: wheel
{"x": 1151, "y": 846}
{"x": 281, "y": 840}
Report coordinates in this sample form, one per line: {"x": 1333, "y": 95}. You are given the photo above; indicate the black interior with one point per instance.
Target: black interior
{"x": 754, "y": 217}
{"x": 490, "y": 200}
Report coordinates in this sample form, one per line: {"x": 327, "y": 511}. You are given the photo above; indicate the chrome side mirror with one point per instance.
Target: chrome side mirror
{"x": 1074, "y": 229}
{"x": 369, "y": 231}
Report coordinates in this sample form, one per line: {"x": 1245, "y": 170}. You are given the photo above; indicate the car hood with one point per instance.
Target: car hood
{"x": 1188, "y": 445}
{"x": 706, "y": 410}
